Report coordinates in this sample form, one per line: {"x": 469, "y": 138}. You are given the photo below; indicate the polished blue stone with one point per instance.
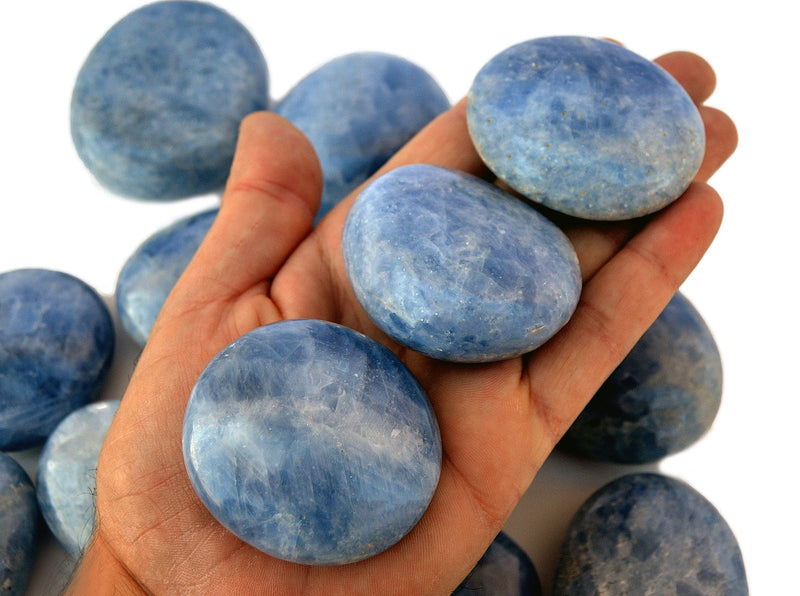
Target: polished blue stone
{"x": 662, "y": 398}
{"x": 312, "y": 442}
{"x": 456, "y": 268}
{"x": 56, "y": 347}
{"x": 504, "y": 570}
{"x": 585, "y": 127}
{"x": 66, "y": 474}
{"x": 157, "y": 104}
{"x": 358, "y": 110}
{"x": 649, "y": 534}
{"x": 150, "y": 273}
{"x": 19, "y": 518}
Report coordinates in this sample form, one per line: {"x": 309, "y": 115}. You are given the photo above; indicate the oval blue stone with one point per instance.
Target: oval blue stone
{"x": 457, "y": 268}
{"x": 151, "y": 272}
{"x": 585, "y": 127}
{"x": 157, "y": 104}
{"x": 67, "y": 472}
{"x": 661, "y": 398}
{"x": 358, "y": 110}
{"x": 56, "y": 347}
{"x": 312, "y": 442}
{"x": 19, "y": 518}
{"x": 649, "y": 534}
{"x": 505, "y": 569}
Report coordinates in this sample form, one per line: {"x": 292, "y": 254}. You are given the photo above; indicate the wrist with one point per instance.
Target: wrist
{"x": 100, "y": 572}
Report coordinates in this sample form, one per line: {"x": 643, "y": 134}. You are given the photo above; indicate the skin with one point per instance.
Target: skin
{"x": 262, "y": 261}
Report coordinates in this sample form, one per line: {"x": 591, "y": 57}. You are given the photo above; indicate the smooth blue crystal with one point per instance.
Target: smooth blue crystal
{"x": 56, "y": 347}
{"x": 312, "y": 443}
{"x": 457, "y": 268}
{"x": 67, "y": 471}
{"x": 358, "y": 110}
{"x": 649, "y": 534}
{"x": 585, "y": 127}
{"x": 662, "y": 398}
{"x": 151, "y": 272}
{"x": 505, "y": 569}
{"x": 157, "y": 104}
{"x": 19, "y": 518}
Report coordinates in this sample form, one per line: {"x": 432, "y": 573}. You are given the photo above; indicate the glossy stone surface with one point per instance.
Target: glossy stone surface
{"x": 456, "y": 268}
{"x": 56, "y": 347}
{"x": 504, "y": 570}
{"x": 661, "y": 399}
{"x": 585, "y": 127}
{"x": 18, "y": 526}
{"x": 150, "y": 273}
{"x": 649, "y": 534}
{"x": 358, "y": 110}
{"x": 67, "y": 471}
{"x": 312, "y": 442}
{"x": 157, "y": 104}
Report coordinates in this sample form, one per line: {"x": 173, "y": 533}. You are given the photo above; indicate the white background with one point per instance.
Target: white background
{"x": 54, "y": 214}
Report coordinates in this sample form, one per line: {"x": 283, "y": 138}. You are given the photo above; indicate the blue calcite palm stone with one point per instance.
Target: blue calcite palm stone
{"x": 67, "y": 472}
{"x": 19, "y": 518}
{"x": 585, "y": 127}
{"x": 649, "y": 534}
{"x": 661, "y": 399}
{"x": 505, "y": 569}
{"x": 150, "y": 273}
{"x": 56, "y": 347}
{"x": 312, "y": 442}
{"x": 157, "y": 103}
{"x": 456, "y": 268}
{"x": 358, "y": 110}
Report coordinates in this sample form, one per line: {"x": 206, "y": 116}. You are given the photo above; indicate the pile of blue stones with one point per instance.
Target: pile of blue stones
{"x": 343, "y": 452}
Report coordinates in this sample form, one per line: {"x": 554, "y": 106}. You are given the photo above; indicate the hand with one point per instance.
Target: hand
{"x": 262, "y": 262}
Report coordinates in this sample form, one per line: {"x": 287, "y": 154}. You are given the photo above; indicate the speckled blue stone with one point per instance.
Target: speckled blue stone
{"x": 67, "y": 471}
{"x": 150, "y": 273}
{"x": 585, "y": 127}
{"x": 358, "y": 110}
{"x": 56, "y": 347}
{"x": 19, "y": 518}
{"x": 157, "y": 104}
{"x": 649, "y": 534}
{"x": 504, "y": 570}
{"x": 456, "y": 268}
{"x": 662, "y": 398}
{"x": 312, "y": 443}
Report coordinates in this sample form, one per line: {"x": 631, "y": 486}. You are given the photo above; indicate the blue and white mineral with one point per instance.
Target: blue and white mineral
{"x": 19, "y": 518}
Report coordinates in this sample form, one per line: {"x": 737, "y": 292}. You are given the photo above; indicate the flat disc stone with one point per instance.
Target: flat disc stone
{"x": 157, "y": 104}
{"x": 585, "y": 127}
{"x": 358, "y": 110}
{"x": 67, "y": 472}
{"x": 649, "y": 534}
{"x": 19, "y": 519}
{"x": 312, "y": 442}
{"x": 505, "y": 569}
{"x": 661, "y": 399}
{"x": 151, "y": 272}
{"x": 457, "y": 268}
{"x": 56, "y": 347}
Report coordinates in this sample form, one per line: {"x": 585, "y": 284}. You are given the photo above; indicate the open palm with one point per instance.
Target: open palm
{"x": 262, "y": 261}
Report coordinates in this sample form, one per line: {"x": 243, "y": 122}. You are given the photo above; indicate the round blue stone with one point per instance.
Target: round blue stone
{"x": 67, "y": 471}
{"x": 358, "y": 110}
{"x": 456, "y": 268}
{"x": 585, "y": 127}
{"x": 150, "y": 273}
{"x": 157, "y": 104}
{"x": 312, "y": 443}
{"x": 56, "y": 347}
{"x": 662, "y": 398}
{"x": 19, "y": 518}
{"x": 649, "y": 534}
{"x": 504, "y": 569}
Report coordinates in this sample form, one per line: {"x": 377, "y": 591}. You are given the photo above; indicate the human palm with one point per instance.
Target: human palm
{"x": 263, "y": 261}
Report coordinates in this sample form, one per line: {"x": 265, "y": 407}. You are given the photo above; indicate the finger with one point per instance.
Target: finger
{"x": 721, "y": 141}
{"x": 693, "y": 73}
